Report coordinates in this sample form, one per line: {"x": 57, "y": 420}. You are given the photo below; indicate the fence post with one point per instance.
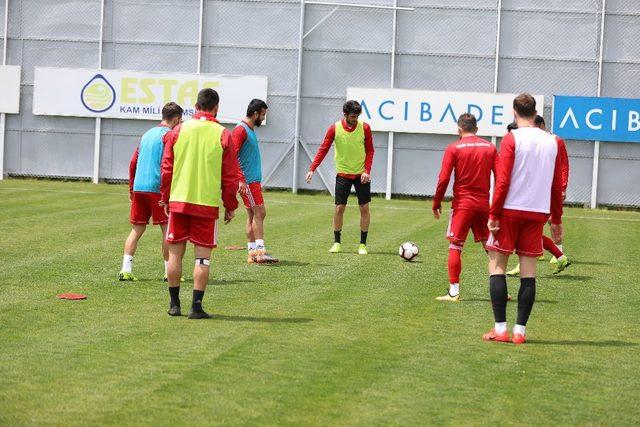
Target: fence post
{"x": 98, "y": 129}
{"x": 296, "y": 132}
{"x": 390, "y": 145}
{"x": 596, "y": 145}
{"x": 3, "y": 116}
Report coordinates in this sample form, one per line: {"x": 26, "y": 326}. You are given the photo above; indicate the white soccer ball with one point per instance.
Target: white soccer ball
{"x": 408, "y": 251}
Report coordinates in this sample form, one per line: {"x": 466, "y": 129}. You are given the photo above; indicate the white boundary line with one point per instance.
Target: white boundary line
{"x": 288, "y": 202}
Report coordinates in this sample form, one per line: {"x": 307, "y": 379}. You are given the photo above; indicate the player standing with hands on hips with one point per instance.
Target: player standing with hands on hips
{"x": 246, "y": 145}
{"x": 199, "y": 167}
{"x": 353, "y": 158}
{"x": 528, "y": 191}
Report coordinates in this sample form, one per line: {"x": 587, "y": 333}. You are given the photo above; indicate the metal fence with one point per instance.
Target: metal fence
{"x": 311, "y": 52}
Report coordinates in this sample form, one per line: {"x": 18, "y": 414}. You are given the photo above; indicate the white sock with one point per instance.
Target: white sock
{"x": 251, "y": 246}
{"x": 260, "y": 243}
{"x": 166, "y": 267}
{"x": 519, "y": 329}
{"x": 560, "y": 247}
{"x": 454, "y": 289}
{"x": 500, "y": 327}
{"x": 127, "y": 263}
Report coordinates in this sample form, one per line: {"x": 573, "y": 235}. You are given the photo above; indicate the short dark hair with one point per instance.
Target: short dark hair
{"x": 171, "y": 110}
{"x": 352, "y": 107}
{"x": 512, "y": 126}
{"x": 539, "y": 121}
{"x": 255, "y": 106}
{"x": 208, "y": 99}
{"x": 467, "y": 122}
{"x": 525, "y": 105}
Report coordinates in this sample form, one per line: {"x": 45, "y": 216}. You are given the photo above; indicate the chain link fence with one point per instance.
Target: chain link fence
{"x": 546, "y": 47}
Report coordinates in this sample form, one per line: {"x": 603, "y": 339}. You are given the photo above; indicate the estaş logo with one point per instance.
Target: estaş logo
{"x": 98, "y": 95}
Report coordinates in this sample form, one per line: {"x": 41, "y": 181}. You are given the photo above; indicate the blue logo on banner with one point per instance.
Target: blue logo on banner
{"x": 596, "y": 119}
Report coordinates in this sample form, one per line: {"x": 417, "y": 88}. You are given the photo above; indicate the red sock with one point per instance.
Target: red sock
{"x": 548, "y": 245}
{"x": 455, "y": 265}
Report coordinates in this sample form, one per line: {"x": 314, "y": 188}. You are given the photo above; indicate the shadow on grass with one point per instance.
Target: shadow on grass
{"x": 224, "y": 282}
{"x": 290, "y": 263}
{"x": 261, "y": 319}
{"x": 541, "y": 301}
{"x": 605, "y": 343}
{"x": 589, "y": 263}
{"x": 568, "y": 277}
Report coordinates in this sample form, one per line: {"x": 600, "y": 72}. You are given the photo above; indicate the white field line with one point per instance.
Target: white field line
{"x": 287, "y": 202}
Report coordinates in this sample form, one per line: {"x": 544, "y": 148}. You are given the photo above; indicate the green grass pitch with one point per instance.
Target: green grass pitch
{"x": 320, "y": 339}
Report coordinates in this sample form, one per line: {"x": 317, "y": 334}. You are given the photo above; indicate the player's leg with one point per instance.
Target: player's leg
{"x": 363, "y": 192}
{"x": 499, "y": 296}
{"x": 249, "y": 203}
{"x": 160, "y": 218}
{"x": 342, "y": 190}
{"x": 178, "y": 230}
{"x": 500, "y": 246}
{"x": 526, "y": 296}
{"x": 251, "y": 238}
{"x": 130, "y": 246}
{"x": 139, "y": 217}
{"x": 263, "y": 255}
{"x": 200, "y": 278}
{"x": 457, "y": 231}
{"x": 165, "y": 249}
{"x": 174, "y": 273}
{"x": 559, "y": 258}
{"x": 528, "y": 248}
{"x": 365, "y": 220}
{"x": 203, "y": 234}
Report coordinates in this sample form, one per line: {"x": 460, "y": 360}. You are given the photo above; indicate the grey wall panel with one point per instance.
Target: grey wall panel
{"x": 548, "y": 47}
{"x": 259, "y": 24}
{"x": 431, "y": 30}
{"x": 613, "y": 172}
{"x": 444, "y": 73}
{"x": 278, "y": 65}
{"x": 543, "y": 34}
{"x": 374, "y": 29}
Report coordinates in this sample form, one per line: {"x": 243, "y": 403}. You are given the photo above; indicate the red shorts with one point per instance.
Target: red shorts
{"x": 463, "y": 220}
{"x": 522, "y": 235}
{"x": 198, "y": 230}
{"x": 254, "y": 198}
{"x": 145, "y": 206}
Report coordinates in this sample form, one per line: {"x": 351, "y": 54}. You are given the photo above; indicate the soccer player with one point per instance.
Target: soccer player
{"x": 559, "y": 259}
{"x": 473, "y": 160}
{"x": 528, "y": 191}
{"x": 353, "y": 157}
{"x": 199, "y": 167}
{"x": 144, "y": 189}
{"x": 250, "y": 175}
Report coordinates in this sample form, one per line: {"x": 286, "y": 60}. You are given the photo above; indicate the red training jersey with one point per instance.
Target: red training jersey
{"x": 473, "y": 160}
{"x": 529, "y": 180}
{"x": 328, "y": 140}
{"x": 229, "y": 174}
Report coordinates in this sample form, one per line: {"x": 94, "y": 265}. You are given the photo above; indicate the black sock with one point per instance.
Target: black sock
{"x": 498, "y": 292}
{"x": 196, "y": 305}
{"x": 526, "y": 298}
{"x": 363, "y": 237}
{"x": 336, "y": 235}
{"x": 174, "y": 293}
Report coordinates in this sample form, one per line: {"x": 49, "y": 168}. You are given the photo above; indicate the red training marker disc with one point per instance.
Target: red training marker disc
{"x": 72, "y": 296}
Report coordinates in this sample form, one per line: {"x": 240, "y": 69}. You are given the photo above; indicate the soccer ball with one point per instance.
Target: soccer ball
{"x": 408, "y": 251}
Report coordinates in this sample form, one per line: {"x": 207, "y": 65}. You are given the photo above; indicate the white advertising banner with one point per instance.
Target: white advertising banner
{"x": 422, "y": 111}
{"x": 10, "y": 89}
{"x": 118, "y": 94}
